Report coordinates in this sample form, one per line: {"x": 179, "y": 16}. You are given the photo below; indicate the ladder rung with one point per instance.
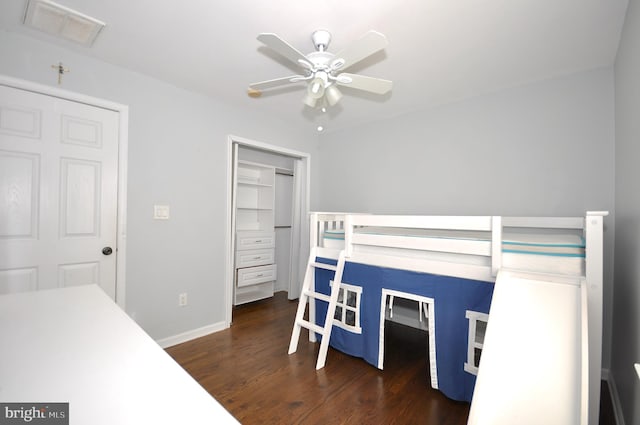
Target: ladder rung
{"x": 317, "y": 295}
{"x": 324, "y": 266}
{"x": 311, "y": 326}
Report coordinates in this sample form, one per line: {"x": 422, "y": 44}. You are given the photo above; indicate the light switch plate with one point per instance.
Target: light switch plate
{"x": 161, "y": 212}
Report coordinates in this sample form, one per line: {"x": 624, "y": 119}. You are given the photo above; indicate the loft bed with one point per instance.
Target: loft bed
{"x": 441, "y": 274}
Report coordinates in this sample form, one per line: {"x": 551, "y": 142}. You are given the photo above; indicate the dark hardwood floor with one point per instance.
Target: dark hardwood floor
{"x": 247, "y": 369}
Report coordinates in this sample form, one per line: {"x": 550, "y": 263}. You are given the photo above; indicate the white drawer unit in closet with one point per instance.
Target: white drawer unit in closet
{"x": 255, "y": 233}
{"x": 255, "y": 275}
{"x": 254, "y": 257}
{"x": 255, "y": 240}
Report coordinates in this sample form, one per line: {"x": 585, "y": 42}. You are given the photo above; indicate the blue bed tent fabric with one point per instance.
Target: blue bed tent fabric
{"x": 452, "y": 298}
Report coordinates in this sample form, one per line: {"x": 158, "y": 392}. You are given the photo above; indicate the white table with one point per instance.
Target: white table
{"x": 75, "y": 345}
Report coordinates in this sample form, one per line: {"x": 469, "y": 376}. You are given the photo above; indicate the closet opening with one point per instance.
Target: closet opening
{"x": 268, "y": 229}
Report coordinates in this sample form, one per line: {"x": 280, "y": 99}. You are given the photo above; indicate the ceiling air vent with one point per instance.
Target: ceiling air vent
{"x": 60, "y": 21}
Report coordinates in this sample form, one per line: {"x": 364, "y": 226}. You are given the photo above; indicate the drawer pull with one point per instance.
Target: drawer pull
{"x": 257, "y": 258}
{"x": 258, "y": 241}
{"x": 259, "y": 275}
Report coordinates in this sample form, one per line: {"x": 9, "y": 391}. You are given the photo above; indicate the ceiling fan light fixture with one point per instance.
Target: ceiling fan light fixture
{"x": 310, "y": 101}
{"x": 332, "y": 94}
{"x": 317, "y": 86}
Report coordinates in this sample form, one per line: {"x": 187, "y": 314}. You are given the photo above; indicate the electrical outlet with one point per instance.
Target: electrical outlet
{"x": 182, "y": 299}
{"x": 161, "y": 212}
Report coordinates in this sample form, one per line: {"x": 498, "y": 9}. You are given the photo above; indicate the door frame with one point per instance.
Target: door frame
{"x": 297, "y": 261}
{"x": 123, "y": 143}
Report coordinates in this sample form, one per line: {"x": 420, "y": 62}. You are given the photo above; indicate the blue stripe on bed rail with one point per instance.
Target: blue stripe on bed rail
{"x": 545, "y": 254}
{"x": 544, "y": 245}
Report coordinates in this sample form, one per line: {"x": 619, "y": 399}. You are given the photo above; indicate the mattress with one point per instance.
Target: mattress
{"x": 542, "y": 250}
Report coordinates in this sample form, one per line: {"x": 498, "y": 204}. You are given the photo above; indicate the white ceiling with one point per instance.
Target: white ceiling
{"x": 439, "y": 50}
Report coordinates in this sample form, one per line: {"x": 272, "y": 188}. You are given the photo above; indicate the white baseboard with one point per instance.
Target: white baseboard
{"x": 189, "y": 335}
{"x": 615, "y": 397}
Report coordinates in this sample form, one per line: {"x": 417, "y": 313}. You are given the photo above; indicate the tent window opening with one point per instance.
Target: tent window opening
{"x": 477, "y": 328}
{"x": 347, "y": 314}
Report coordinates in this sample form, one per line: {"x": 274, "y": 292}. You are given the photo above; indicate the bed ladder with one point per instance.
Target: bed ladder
{"x": 307, "y": 296}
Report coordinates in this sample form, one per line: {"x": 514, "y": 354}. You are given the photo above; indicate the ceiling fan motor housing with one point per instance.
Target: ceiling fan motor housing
{"x": 320, "y": 60}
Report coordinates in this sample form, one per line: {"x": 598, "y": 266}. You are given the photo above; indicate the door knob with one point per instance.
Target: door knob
{"x": 107, "y": 250}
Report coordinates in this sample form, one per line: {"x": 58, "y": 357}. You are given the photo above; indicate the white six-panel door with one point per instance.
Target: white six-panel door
{"x": 58, "y": 193}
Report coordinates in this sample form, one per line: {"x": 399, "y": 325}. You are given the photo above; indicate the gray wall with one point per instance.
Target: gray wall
{"x": 543, "y": 149}
{"x": 177, "y": 156}
{"x": 625, "y": 350}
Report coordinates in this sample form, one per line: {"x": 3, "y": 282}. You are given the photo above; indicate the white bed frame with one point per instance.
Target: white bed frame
{"x": 486, "y": 262}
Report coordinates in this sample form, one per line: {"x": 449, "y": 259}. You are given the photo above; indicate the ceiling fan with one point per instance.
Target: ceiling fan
{"x": 322, "y": 71}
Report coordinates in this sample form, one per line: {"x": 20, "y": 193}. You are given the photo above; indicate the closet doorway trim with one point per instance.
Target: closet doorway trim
{"x": 300, "y": 232}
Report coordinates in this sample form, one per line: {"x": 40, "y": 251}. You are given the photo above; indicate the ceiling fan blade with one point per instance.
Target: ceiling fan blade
{"x": 361, "y": 82}
{"x": 285, "y": 49}
{"x": 370, "y": 43}
{"x": 277, "y": 82}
